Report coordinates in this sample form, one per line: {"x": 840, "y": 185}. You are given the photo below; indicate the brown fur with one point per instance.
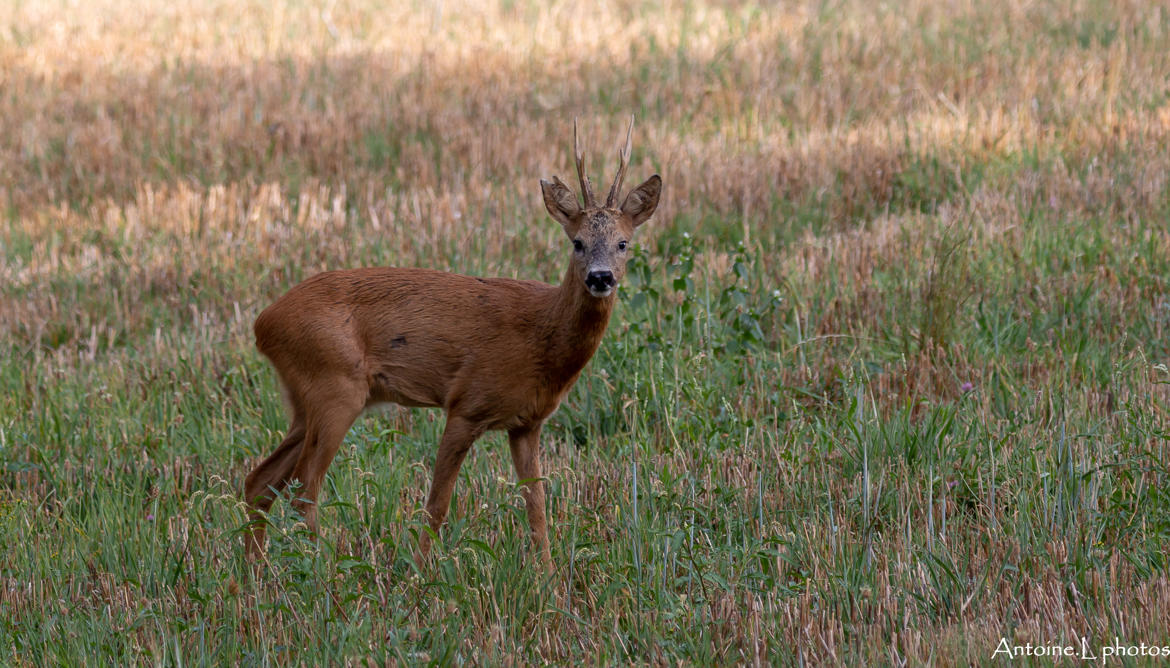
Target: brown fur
{"x": 493, "y": 353}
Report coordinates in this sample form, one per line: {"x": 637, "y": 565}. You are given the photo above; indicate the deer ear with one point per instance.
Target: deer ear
{"x": 643, "y": 200}
{"x": 561, "y": 203}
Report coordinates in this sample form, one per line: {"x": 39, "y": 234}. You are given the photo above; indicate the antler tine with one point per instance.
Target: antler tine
{"x": 586, "y": 188}
{"x": 615, "y": 191}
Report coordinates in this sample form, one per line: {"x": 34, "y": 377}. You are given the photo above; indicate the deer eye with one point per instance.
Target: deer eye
{"x": 622, "y": 245}
{"x": 578, "y": 246}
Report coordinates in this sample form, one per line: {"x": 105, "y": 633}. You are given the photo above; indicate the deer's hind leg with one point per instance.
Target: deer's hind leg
{"x": 269, "y": 478}
{"x": 331, "y": 412}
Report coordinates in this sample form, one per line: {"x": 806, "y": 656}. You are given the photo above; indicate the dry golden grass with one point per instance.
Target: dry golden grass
{"x": 416, "y": 116}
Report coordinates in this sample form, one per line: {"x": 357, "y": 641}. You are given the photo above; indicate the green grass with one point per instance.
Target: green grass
{"x": 756, "y": 489}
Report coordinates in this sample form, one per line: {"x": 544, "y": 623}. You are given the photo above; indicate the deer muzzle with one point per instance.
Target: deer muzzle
{"x": 600, "y": 282}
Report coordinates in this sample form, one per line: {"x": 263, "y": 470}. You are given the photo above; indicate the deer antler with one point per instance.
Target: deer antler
{"x": 586, "y": 188}
{"x": 615, "y": 191}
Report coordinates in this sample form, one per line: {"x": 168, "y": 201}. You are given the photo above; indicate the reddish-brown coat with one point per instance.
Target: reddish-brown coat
{"x": 499, "y": 351}
{"x": 494, "y": 353}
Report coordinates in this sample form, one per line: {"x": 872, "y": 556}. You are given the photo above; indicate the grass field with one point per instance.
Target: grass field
{"x": 887, "y": 383}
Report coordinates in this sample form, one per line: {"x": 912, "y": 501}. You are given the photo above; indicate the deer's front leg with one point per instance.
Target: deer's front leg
{"x": 458, "y": 436}
{"x": 525, "y": 445}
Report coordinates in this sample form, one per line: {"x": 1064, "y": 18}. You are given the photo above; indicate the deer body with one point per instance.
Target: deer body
{"x": 493, "y": 353}
{"x": 403, "y": 334}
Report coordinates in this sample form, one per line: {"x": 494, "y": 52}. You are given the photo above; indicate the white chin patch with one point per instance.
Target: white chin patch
{"x": 601, "y": 293}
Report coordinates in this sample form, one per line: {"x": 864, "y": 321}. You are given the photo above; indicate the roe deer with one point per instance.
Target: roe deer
{"x": 494, "y": 353}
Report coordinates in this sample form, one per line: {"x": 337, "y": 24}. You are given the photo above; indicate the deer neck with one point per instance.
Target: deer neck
{"x": 578, "y": 322}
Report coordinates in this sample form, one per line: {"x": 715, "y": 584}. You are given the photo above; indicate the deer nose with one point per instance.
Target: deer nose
{"x": 600, "y": 280}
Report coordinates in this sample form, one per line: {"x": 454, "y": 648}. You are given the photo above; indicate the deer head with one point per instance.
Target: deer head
{"x": 600, "y": 234}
